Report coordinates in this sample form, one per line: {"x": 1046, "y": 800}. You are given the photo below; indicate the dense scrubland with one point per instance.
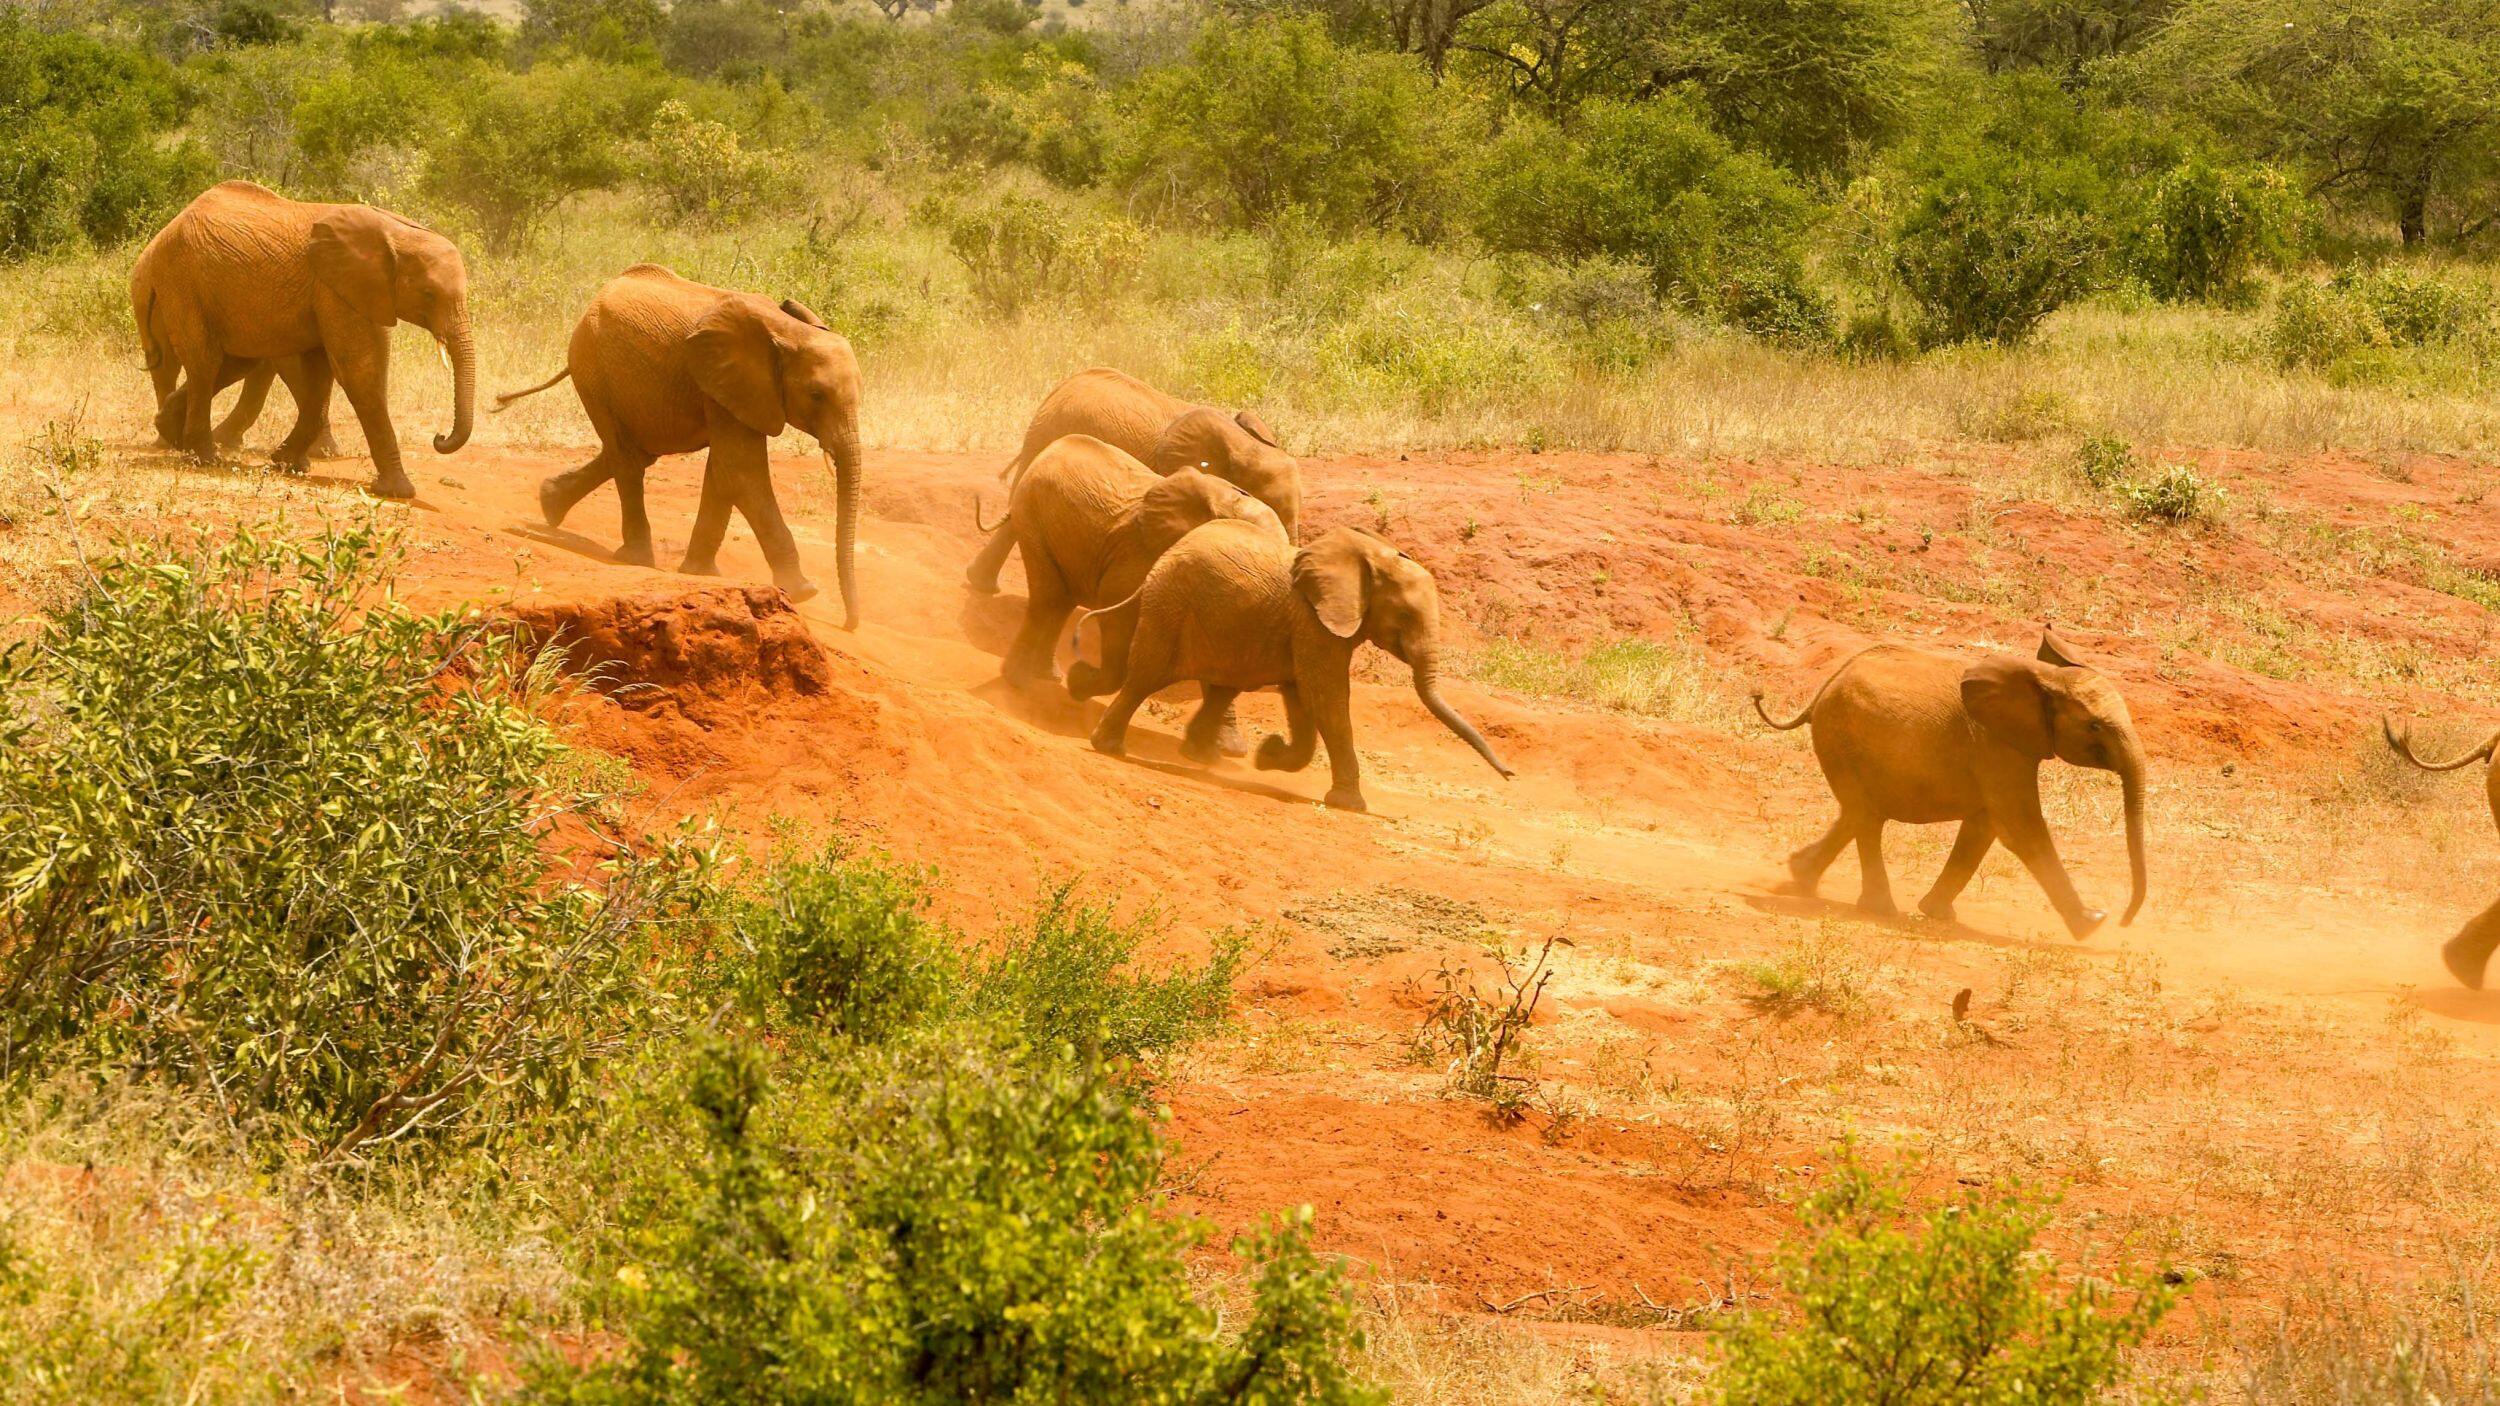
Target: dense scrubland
{"x": 360, "y": 1030}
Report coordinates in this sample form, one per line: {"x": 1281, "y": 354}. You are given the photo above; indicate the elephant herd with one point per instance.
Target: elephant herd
{"x": 1175, "y": 527}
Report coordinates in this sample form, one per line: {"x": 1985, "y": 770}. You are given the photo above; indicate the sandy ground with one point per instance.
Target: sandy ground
{"x": 2267, "y": 1078}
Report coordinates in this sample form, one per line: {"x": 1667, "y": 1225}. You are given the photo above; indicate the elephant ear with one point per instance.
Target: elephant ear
{"x": 1179, "y": 502}
{"x": 803, "y": 313}
{"x": 2009, "y": 699}
{"x": 352, "y": 256}
{"x": 1333, "y": 575}
{"x": 735, "y": 358}
{"x": 2056, "y": 651}
{"x": 1258, "y": 429}
{"x": 1194, "y": 440}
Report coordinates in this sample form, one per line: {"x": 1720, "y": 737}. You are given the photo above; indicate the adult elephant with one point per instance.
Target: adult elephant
{"x": 244, "y": 275}
{"x": 2468, "y": 954}
{"x": 666, "y": 365}
{"x": 1164, "y": 432}
{"x": 1236, "y": 607}
{"x": 1091, "y": 521}
{"x": 1920, "y": 737}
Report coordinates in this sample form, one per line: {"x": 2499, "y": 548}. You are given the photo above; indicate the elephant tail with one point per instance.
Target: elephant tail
{"x": 986, "y": 527}
{"x": 505, "y": 400}
{"x": 151, "y": 351}
{"x": 1128, "y": 606}
{"x": 1808, "y": 715}
{"x": 2402, "y": 743}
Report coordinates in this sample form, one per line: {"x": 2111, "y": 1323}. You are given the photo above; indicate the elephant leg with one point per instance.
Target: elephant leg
{"x": 1203, "y": 742}
{"x": 308, "y": 380}
{"x": 1150, "y": 659}
{"x": 197, "y": 438}
{"x": 1293, "y": 751}
{"x": 1115, "y": 632}
{"x": 256, "y": 376}
{"x": 2469, "y": 952}
{"x": 711, "y": 524}
{"x": 1330, "y": 697}
{"x": 1806, "y": 866}
{"x": 1874, "y": 885}
{"x": 166, "y": 377}
{"x": 982, "y": 575}
{"x": 1033, "y": 657}
{"x": 2025, "y": 833}
{"x": 1970, "y": 845}
{"x": 360, "y": 356}
{"x": 753, "y": 493}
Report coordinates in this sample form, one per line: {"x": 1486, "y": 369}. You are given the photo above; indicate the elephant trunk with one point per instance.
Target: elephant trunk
{"x": 1428, "y": 688}
{"x": 2131, "y": 780}
{"x": 844, "y": 454}
{"x": 463, "y": 384}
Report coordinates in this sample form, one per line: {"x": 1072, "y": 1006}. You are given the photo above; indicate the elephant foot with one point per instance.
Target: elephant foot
{"x": 636, "y": 554}
{"x": 394, "y": 485}
{"x": 1201, "y": 753}
{"x": 1879, "y": 905}
{"x": 1111, "y": 744}
{"x": 1939, "y": 909}
{"x": 698, "y": 566}
{"x": 553, "y": 505}
{"x": 326, "y": 447}
{"x": 2466, "y": 956}
{"x": 1229, "y": 741}
{"x": 1276, "y": 754}
{"x": 980, "y": 585}
{"x": 801, "y": 590}
{"x": 2087, "y": 922}
{"x": 1346, "y": 798}
{"x": 1086, "y": 680}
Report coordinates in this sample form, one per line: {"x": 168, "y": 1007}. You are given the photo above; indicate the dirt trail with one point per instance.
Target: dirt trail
{"x": 1635, "y": 837}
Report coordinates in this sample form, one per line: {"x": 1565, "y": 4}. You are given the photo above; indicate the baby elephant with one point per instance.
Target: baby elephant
{"x": 1234, "y": 606}
{"x": 2469, "y": 952}
{"x": 1091, "y": 520}
{"x": 1905, "y": 734}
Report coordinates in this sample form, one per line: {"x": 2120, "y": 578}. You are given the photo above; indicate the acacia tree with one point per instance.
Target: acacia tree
{"x": 2064, "y": 36}
{"x": 2391, "y": 100}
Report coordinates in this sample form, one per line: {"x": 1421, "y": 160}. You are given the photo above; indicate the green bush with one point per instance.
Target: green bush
{"x": 2176, "y": 495}
{"x": 2105, "y": 463}
{"x": 1268, "y": 114}
{"x": 83, "y": 155}
{"x": 1995, "y": 241}
{"x": 2206, "y": 230}
{"x": 515, "y": 146}
{"x": 1957, "y": 1312}
{"x": 1067, "y": 979}
{"x": 846, "y": 945}
{"x": 256, "y": 843}
{"x": 1019, "y": 250}
{"x": 700, "y": 170}
{"x": 937, "y": 1221}
{"x": 1719, "y": 230}
{"x": 2341, "y": 324}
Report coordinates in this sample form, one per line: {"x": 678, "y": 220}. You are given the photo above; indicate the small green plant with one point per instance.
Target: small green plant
{"x": 846, "y": 945}
{"x": 1068, "y": 978}
{"x": 1820, "y": 973}
{"x": 1671, "y": 678}
{"x": 1473, "y": 1030}
{"x": 2105, "y": 463}
{"x": 1955, "y": 1307}
{"x": 2177, "y": 495}
{"x": 1019, "y": 250}
{"x": 1765, "y": 505}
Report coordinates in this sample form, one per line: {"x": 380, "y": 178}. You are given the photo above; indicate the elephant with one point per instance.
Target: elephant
{"x": 666, "y": 365}
{"x": 1238, "y": 607}
{"x": 243, "y": 274}
{"x": 1921, "y": 737}
{"x": 1091, "y": 520}
{"x": 256, "y": 377}
{"x": 1165, "y": 432}
{"x": 2467, "y": 954}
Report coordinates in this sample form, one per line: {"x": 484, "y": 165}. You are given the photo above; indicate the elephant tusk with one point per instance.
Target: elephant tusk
{"x": 442, "y": 352}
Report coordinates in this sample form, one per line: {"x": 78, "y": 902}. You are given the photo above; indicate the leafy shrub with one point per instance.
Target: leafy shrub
{"x": 1059, "y": 118}
{"x": 1720, "y": 231}
{"x": 1424, "y": 348}
{"x": 700, "y": 170}
{"x": 2206, "y": 229}
{"x": 846, "y": 945}
{"x": 2365, "y": 314}
{"x": 1958, "y": 1312}
{"x": 1994, "y": 242}
{"x": 935, "y": 1222}
{"x": 2176, "y": 495}
{"x": 515, "y": 146}
{"x": 1876, "y": 335}
{"x": 1272, "y": 113}
{"x": 2104, "y": 462}
{"x": 1061, "y": 981}
{"x": 81, "y": 150}
{"x": 1020, "y": 249}
{"x": 255, "y": 843}
{"x": 1473, "y": 1030}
